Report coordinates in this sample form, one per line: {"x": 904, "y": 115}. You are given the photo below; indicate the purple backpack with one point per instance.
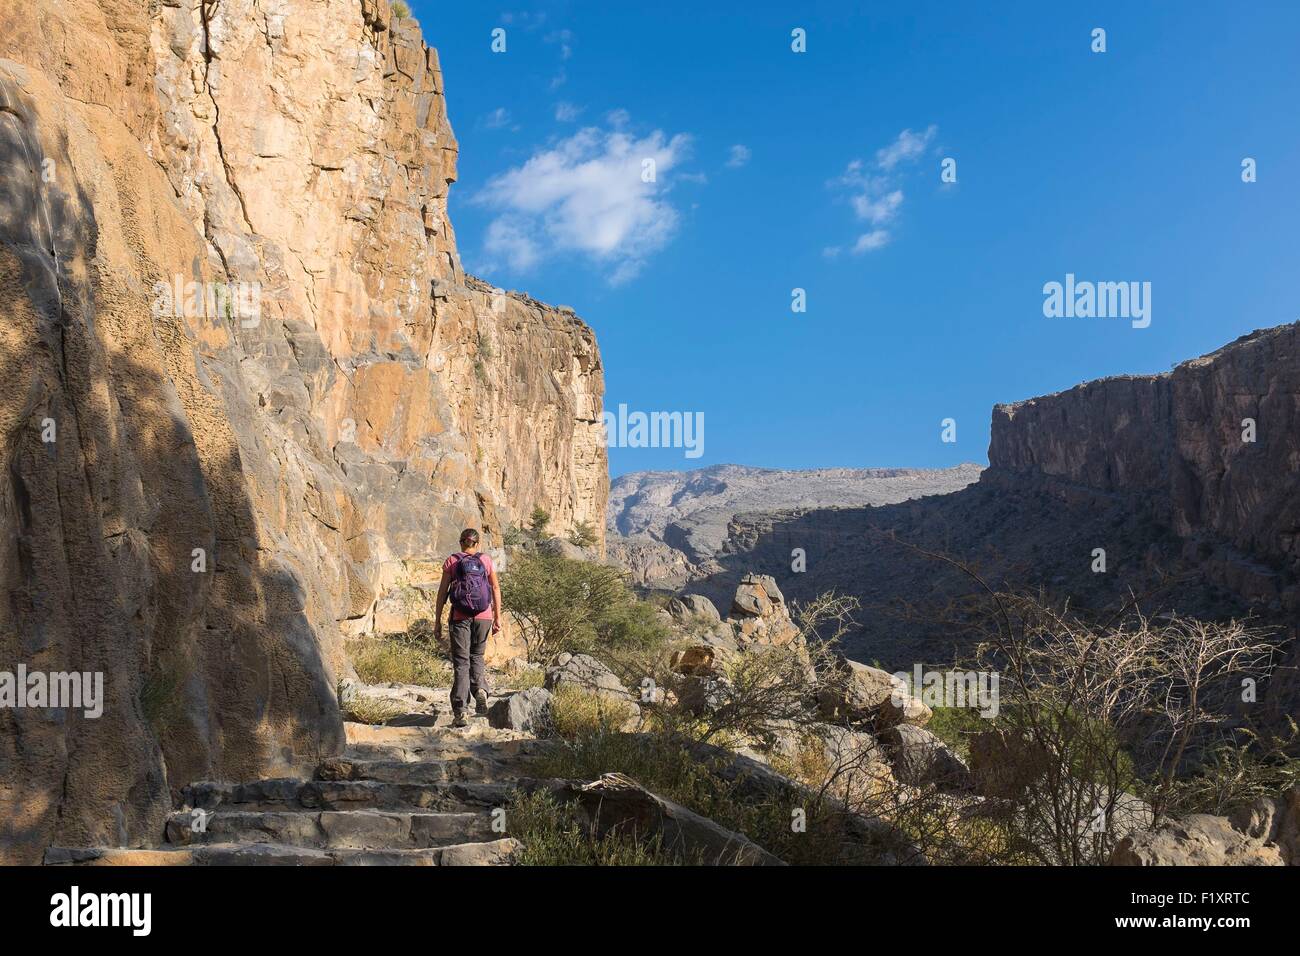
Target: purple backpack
{"x": 471, "y": 590}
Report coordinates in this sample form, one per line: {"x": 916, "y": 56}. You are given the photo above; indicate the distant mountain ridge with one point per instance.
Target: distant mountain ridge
{"x": 667, "y": 526}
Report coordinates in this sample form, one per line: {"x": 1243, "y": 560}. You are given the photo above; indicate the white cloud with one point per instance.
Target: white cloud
{"x": 907, "y": 147}
{"x": 739, "y": 156}
{"x": 526, "y": 19}
{"x": 565, "y": 39}
{"x": 499, "y": 118}
{"x": 877, "y": 210}
{"x": 567, "y": 112}
{"x": 586, "y": 194}
{"x": 869, "y": 241}
{"x": 510, "y": 240}
{"x": 873, "y": 190}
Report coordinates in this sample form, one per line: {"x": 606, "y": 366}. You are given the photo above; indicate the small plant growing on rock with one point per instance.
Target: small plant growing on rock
{"x": 364, "y": 709}
{"x": 400, "y": 9}
{"x": 582, "y": 535}
{"x": 538, "y": 520}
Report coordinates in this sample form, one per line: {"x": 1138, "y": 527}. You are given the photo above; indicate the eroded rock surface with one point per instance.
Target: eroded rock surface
{"x": 248, "y": 390}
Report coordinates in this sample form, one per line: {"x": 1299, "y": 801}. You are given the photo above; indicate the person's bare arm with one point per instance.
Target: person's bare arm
{"x": 496, "y": 602}
{"x": 442, "y": 599}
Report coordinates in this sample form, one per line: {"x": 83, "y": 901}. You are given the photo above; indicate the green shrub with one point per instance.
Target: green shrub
{"x": 526, "y": 677}
{"x": 364, "y": 709}
{"x": 552, "y": 835}
{"x": 575, "y": 713}
{"x": 955, "y": 726}
{"x": 400, "y": 9}
{"x": 665, "y": 764}
{"x": 582, "y": 535}
{"x": 576, "y": 606}
{"x": 538, "y": 520}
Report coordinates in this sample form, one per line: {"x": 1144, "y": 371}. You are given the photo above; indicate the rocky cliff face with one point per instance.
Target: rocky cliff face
{"x": 1211, "y": 448}
{"x": 248, "y": 389}
{"x": 1152, "y": 469}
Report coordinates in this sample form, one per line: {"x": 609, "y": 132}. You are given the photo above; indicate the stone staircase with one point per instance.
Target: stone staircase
{"x": 413, "y": 792}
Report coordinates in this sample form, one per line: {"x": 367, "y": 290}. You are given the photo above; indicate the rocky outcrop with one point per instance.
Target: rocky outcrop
{"x": 667, "y": 528}
{"x": 1211, "y": 448}
{"x": 1265, "y": 832}
{"x": 618, "y": 805}
{"x": 248, "y": 388}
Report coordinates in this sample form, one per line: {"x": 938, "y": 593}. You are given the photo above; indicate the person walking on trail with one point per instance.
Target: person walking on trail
{"x": 470, "y": 580}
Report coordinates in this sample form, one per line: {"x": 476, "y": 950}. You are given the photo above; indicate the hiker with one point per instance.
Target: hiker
{"x": 470, "y": 580}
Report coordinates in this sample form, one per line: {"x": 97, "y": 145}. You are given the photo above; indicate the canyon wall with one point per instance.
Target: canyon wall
{"x": 247, "y": 388}
{"x": 1152, "y": 469}
{"x": 1212, "y": 448}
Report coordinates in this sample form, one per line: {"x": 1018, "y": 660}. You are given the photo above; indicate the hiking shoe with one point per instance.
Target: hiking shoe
{"x": 480, "y": 702}
{"x": 458, "y": 720}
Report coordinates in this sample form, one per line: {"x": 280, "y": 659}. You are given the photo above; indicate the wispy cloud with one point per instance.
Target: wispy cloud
{"x": 567, "y": 112}
{"x": 738, "y": 156}
{"x": 525, "y": 20}
{"x": 565, "y": 40}
{"x": 906, "y": 148}
{"x": 499, "y": 118}
{"x": 587, "y": 194}
{"x": 874, "y": 191}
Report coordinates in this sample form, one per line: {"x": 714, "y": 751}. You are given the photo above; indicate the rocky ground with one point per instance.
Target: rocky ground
{"x": 416, "y": 791}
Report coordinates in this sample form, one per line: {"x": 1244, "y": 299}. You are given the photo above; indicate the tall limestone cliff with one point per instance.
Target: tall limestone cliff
{"x": 1212, "y": 448}
{"x": 247, "y": 388}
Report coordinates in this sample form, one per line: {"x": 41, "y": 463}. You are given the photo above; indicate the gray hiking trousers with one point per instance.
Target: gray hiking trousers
{"x": 468, "y": 643}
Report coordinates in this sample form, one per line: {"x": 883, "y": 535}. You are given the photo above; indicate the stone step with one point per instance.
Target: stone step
{"x": 479, "y": 731}
{"x": 346, "y": 794}
{"x": 331, "y": 829}
{"x": 476, "y": 760}
{"x": 465, "y": 768}
{"x": 487, "y": 853}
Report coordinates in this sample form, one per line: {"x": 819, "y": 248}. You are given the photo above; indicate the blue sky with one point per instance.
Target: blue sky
{"x": 924, "y": 299}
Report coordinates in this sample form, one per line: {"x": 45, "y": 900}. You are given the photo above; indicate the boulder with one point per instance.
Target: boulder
{"x": 755, "y": 594}
{"x": 702, "y": 695}
{"x": 854, "y": 692}
{"x": 584, "y": 672}
{"x": 560, "y": 548}
{"x": 705, "y": 654}
{"x": 528, "y": 711}
{"x": 864, "y": 839}
{"x": 1264, "y": 832}
{"x": 690, "y": 607}
{"x": 759, "y": 613}
{"x": 907, "y": 710}
{"x": 860, "y": 775}
{"x": 857, "y": 693}
{"x": 618, "y": 804}
{"x": 920, "y": 758}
